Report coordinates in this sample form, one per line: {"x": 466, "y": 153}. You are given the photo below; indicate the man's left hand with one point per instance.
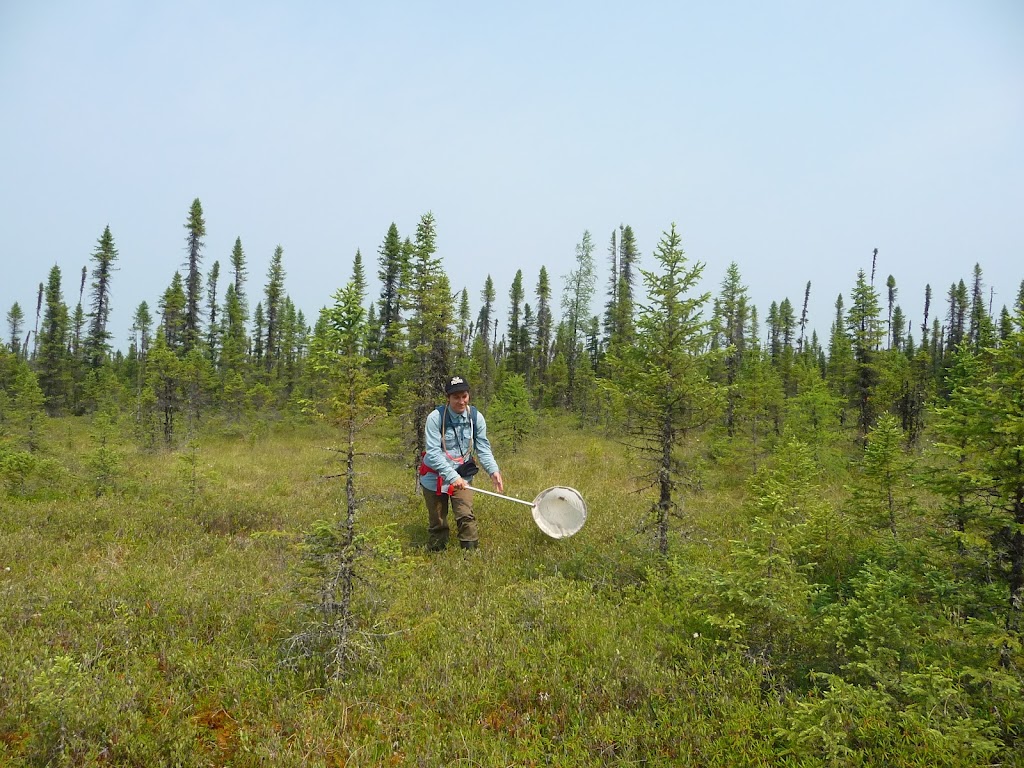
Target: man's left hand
{"x": 499, "y": 485}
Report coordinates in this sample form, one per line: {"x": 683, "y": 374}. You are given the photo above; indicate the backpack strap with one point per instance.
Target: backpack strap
{"x": 472, "y": 415}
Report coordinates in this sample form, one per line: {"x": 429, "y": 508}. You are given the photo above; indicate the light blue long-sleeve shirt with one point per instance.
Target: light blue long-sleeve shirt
{"x": 458, "y": 430}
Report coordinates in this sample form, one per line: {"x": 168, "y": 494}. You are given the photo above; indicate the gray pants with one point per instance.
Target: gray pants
{"x": 437, "y": 517}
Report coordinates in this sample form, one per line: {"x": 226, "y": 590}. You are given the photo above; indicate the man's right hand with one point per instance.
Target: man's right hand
{"x": 459, "y": 484}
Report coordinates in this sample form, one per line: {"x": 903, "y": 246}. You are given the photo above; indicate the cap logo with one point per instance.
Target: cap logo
{"x": 456, "y": 380}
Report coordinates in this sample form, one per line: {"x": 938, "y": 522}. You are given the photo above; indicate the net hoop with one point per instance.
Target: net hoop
{"x": 559, "y": 511}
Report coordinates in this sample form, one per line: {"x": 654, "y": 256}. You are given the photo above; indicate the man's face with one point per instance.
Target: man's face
{"x": 458, "y": 401}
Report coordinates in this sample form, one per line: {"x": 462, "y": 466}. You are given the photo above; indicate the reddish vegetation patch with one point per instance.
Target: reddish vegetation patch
{"x": 223, "y": 727}
{"x": 13, "y": 739}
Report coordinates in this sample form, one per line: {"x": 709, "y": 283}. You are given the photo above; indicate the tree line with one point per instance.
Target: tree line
{"x": 206, "y": 346}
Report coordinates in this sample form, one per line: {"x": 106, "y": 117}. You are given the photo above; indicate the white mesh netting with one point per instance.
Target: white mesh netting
{"x": 559, "y": 511}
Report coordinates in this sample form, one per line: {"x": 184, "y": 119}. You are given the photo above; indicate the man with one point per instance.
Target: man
{"x": 448, "y": 467}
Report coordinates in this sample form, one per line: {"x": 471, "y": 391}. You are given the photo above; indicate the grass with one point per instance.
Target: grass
{"x": 148, "y": 626}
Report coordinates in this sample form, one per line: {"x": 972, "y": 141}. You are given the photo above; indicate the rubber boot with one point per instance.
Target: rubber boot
{"x": 469, "y": 544}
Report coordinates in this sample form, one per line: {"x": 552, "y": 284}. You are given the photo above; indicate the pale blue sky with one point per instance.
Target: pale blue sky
{"x": 789, "y": 137}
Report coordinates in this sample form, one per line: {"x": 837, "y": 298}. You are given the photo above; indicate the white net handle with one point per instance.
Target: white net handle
{"x": 559, "y": 511}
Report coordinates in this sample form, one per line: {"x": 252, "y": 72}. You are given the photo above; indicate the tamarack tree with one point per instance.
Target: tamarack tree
{"x": 663, "y": 376}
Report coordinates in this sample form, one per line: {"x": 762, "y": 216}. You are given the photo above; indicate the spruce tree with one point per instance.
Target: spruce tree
{"x": 897, "y": 322}
{"x": 54, "y": 364}
{"x": 774, "y": 333}
{"x": 464, "y": 328}
{"x": 258, "y": 324}
{"x": 803, "y": 318}
{"x": 98, "y": 342}
{"x": 515, "y": 300}
{"x": 359, "y": 273}
{"x": 882, "y": 497}
{"x": 731, "y": 321}
{"x": 576, "y": 298}
{"x": 542, "y": 344}
{"x": 430, "y": 316}
{"x": 1005, "y": 324}
{"x": 526, "y": 333}
{"x": 164, "y": 380}
{"x": 213, "y": 325}
{"x": 23, "y": 415}
{"x": 1001, "y": 443}
{"x": 628, "y": 255}
{"x": 956, "y": 316}
{"x": 927, "y": 308}
{"x": 239, "y": 269}
{"x": 78, "y": 323}
{"x": 483, "y": 352}
{"x": 142, "y": 322}
{"x": 15, "y": 319}
{"x": 787, "y": 329}
{"x": 291, "y": 343}
{"x": 759, "y": 400}
{"x": 839, "y": 368}
{"x": 274, "y": 295}
{"x": 954, "y": 478}
{"x": 891, "y": 330}
{"x": 862, "y": 321}
{"x": 196, "y": 227}
{"x": 172, "y": 314}
{"x": 664, "y": 375}
{"x": 980, "y": 329}
{"x": 233, "y": 341}
{"x": 393, "y": 274}
{"x": 233, "y": 352}
{"x": 611, "y": 314}
{"x": 984, "y": 423}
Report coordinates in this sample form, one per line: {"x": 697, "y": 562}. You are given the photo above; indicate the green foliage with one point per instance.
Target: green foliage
{"x": 140, "y": 629}
{"x": 981, "y": 433}
{"x": 665, "y": 374}
{"x": 759, "y": 597}
{"x": 97, "y": 343}
{"x": 22, "y": 413}
{"x": 758, "y": 401}
{"x": 923, "y": 664}
{"x": 28, "y": 474}
{"x": 54, "y": 363}
{"x": 812, "y": 413}
{"x": 865, "y": 329}
{"x": 882, "y": 498}
{"x": 576, "y": 298}
{"x": 224, "y": 604}
{"x": 105, "y": 461}
{"x": 429, "y": 337}
{"x": 345, "y": 389}
{"x": 852, "y": 725}
{"x": 510, "y": 413}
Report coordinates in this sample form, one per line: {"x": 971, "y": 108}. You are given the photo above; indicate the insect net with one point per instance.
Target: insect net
{"x": 559, "y": 511}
